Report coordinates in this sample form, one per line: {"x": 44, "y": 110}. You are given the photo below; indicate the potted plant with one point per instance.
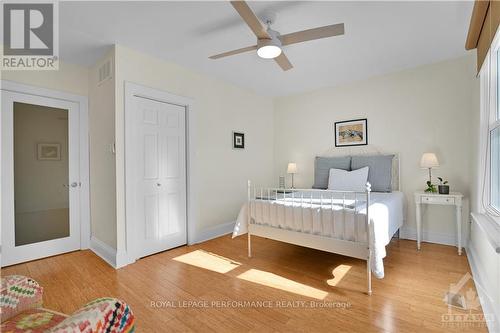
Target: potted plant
{"x": 443, "y": 186}
{"x": 431, "y": 188}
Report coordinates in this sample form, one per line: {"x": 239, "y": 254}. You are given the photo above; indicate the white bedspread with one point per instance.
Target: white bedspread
{"x": 324, "y": 215}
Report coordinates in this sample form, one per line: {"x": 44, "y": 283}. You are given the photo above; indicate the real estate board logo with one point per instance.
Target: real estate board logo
{"x": 464, "y": 307}
{"x": 30, "y": 36}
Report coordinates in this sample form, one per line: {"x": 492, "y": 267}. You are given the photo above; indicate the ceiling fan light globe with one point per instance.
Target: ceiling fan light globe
{"x": 269, "y": 51}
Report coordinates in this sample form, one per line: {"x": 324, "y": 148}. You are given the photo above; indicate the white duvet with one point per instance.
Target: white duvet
{"x": 324, "y": 215}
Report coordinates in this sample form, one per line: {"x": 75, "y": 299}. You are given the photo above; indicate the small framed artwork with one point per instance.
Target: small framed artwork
{"x": 49, "y": 151}
{"x": 238, "y": 140}
{"x": 351, "y": 133}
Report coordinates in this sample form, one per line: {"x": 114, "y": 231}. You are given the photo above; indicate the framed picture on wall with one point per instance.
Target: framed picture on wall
{"x": 49, "y": 151}
{"x": 351, "y": 133}
{"x": 238, "y": 140}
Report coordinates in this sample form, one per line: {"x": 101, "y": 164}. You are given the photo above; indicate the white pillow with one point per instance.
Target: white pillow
{"x": 341, "y": 180}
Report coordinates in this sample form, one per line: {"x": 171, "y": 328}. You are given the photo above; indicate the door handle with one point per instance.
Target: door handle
{"x": 74, "y": 184}
{"x": 158, "y": 184}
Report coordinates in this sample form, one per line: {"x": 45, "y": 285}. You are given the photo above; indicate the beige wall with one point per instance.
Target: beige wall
{"x": 102, "y": 158}
{"x": 69, "y": 78}
{"x": 220, "y": 172}
{"x": 428, "y": 108}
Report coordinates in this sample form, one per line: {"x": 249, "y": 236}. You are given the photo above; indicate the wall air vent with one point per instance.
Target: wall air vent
{"x": 105, "y": 72}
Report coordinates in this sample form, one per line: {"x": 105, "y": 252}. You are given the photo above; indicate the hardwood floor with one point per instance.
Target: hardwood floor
{"x": 282, "y": 288}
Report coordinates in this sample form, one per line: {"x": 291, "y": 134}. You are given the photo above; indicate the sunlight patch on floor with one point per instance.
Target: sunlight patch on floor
{"x": 338, "y": 274}
{"x": 278, "y": 282}
{"x": 208, "y": 260}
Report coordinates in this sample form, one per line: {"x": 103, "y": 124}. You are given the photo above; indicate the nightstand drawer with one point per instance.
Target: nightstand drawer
{"x": 438, "y": 200}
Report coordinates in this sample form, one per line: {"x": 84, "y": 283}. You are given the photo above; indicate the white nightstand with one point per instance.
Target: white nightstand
{"x": 452, "y": 199}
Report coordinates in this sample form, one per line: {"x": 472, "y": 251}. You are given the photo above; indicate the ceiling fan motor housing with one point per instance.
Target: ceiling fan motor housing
{"x": 275, "y": 36}
{"x": 273, "y": 42}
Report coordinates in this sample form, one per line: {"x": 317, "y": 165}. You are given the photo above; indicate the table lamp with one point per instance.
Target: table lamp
{"x": 429, "y": 161}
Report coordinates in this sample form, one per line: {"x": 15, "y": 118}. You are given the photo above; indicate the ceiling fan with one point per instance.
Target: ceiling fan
{"x": 270, "y": 43}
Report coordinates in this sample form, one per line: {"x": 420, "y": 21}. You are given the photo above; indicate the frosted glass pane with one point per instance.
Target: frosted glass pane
{"x": 495, "y": 168}
{"x": 41, "y": 190}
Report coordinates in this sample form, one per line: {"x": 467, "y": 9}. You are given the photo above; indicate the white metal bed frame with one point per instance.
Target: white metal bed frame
{"x": 356, "y": 249}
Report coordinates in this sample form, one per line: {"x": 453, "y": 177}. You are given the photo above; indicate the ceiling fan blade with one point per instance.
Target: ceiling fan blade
{"x": 233, "y": 52}
{"x": 283, "y": 61}
{"x": 250, "y": 19}
{"x": 312, "y": 34}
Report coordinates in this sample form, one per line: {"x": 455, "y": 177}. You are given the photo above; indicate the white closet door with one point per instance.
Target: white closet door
{"x": 161, "y": 176}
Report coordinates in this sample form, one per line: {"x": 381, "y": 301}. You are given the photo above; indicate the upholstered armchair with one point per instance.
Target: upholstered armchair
{"x": 22, "y": 311}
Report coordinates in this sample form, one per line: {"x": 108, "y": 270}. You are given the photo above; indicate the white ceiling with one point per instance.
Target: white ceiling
{"x": 380, "y": 37}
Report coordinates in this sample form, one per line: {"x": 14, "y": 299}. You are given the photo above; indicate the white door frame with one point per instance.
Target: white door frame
{"x": 84, "y": 146}
{"x": 136, "y": 90}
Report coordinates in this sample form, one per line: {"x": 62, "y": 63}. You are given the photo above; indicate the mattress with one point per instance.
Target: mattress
{"x": 324, "y": 214}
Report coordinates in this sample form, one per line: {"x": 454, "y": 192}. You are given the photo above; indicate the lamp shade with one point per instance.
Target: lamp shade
{"x": 292, "y": 168}
{"x": 429, "y": 160}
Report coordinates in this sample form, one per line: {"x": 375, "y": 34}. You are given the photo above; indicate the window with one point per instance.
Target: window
{"x": 494, "y": 140}
{"x": 490, "y": 131}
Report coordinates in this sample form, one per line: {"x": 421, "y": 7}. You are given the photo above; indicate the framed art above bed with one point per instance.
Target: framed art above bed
{"x": 351, "y": 133}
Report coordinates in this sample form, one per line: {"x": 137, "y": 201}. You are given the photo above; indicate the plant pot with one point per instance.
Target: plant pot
{"x": 444, "y": 189}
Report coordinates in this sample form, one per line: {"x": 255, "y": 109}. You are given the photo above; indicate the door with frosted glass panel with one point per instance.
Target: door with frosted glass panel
{"x": 40, "y": 177}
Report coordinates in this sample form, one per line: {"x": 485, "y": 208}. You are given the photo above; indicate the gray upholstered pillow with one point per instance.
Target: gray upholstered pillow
{"x": 322, "y": 166}
{"x": 380, "y": 173}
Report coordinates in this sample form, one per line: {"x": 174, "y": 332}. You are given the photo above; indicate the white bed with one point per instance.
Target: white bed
{"x": 332, "y": 221}
{"x": 322, "y": 217}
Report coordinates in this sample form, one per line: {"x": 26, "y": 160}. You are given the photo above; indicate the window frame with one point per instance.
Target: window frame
{"x": 490, "y": 119}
